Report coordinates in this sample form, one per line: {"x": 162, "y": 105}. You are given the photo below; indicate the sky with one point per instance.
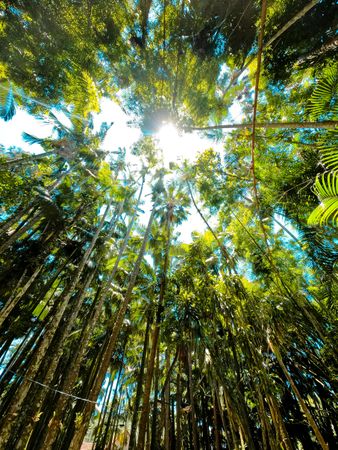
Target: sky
{"x": 122, "y": 134}
{"x": 175, "y": 146}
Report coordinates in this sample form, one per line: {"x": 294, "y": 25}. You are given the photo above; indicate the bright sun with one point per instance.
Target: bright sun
{"x": 177, "y": 146}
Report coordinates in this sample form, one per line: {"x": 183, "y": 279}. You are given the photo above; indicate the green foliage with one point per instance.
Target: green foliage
{"x": 93, "y": 302}
{"x": 7, "y": 104}
{"x": 324, "y": 104}
{"x": 326, "y": 188}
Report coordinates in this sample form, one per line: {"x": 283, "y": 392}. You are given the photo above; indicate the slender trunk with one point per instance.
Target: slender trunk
{"x": 12, "y": 302}
{"x": 191, "y": 398}
{"x": 55, "y": 355}
{"x": 84, "y": 339}
{"x": 279, "y": 423}
{"x": 178, "y": 407}
{"x": 215, "y": 419}
{"x": 98, "y": 441}
{"x": 329, "y": 46}
{"x": 155, "y": 338}
{"x": 43, "y": 346}
{"x": 167, "y": 406}
{"x": 112, "y": 406}
{"x": 155, "y": 430}
{"x": 282, "y": 30}
{"x": 15, "y": 218}
{"x": 132, "y": 440}
{"x": 147, "y": 388}
{"x": 19, "y": 232}
{"x": 116, "y": 423}
{"x": 28, "y": 159}
{"x": 269, "y": 125}
{"x": 94, "y": 392}
{"x": 205, "y": 424}
{"x": 295, "y": 390}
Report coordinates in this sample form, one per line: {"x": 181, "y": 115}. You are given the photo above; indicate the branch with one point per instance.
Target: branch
{"x": 282, "y": 30}
{"x": 258, "y": 71}
{"x": 268, "y": 125}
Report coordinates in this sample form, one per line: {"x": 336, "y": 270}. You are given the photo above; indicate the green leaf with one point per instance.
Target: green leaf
{"x": 326, "y": 188}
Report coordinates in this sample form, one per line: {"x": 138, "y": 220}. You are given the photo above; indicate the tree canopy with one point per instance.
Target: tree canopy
{"x": 117, "y": 332}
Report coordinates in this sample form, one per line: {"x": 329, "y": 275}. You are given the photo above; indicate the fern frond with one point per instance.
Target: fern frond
{"x": 329, "y": 149}
{"x": 326, "y": 188}
{"x": 324, "y": 99}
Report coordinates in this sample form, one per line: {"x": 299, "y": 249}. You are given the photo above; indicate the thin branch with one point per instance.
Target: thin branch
{"x": 282, "y": 30}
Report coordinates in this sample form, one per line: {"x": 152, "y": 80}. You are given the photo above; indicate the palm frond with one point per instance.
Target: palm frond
{"x": 324, "y": 99}
{"x": 30, "y": 139}
{"x": 326, "y": 188}
{"x": 7, "y": 104}
{"x": 329, "y": 149}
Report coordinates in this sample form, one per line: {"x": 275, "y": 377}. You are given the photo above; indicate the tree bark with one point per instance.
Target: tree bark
{"x": 282, "y": 30}
{"x": 191, "y": 398}
{"x": 12, "y": 302}
{"x": 178, "y": 406}
{"x": 132, "y": 440}
{"x": 302, "y": 404}
{"x": 147, "y": 388}
{"x": 95, "y": 390}
{"x": 43, "y": 346}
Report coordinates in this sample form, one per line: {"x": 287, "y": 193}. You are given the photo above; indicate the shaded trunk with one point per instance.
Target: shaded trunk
{"x": 94, "y": 392}
{"x": 295, "y": 390}
{"x": 45, "y": 341}
{"x": 147, "y": 388}
{"x": 178, "y": 408}
{"x": 191, "y": 399}
{"x": 132, "y": 440}
{"x": 13, "y": 301}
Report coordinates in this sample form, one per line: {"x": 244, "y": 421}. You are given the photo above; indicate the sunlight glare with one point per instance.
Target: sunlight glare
{"x": 177, "y": 146}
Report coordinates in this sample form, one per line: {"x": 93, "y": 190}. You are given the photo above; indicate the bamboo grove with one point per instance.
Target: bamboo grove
{"x": 114, "y": 331}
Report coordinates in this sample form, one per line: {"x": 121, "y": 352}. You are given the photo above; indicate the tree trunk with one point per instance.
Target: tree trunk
{"x": 147, "y": 388}
{"x": 216, "y": 423}
{"x": 54, "y": 357}
{"x": 269, "y": 125}
{"x": 282, "y": 30}
{"x": 19, "y": 232}
{"x": 94, "y": 392}
{"x": 329, "y": 46}
{"x": 43, "y": 346}
{"x": 302, "y": 404}
{"x": 178, "y": 407}
{"x": 132, "y": 440}
{"x": 15, "y": 218}
{"x": 155, "y": 338}
{"x": 13, "y": 301}
{"x": 191, "y": 399}
{"x": 167, "y": 406}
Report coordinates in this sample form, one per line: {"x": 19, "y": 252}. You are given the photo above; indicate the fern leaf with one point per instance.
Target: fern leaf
{"x": 326, "y": 188}
{"x": 329, "y": 149}
{"x": 324, "y": 99}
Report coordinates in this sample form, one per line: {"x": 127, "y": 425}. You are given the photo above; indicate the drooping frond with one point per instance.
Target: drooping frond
{"x": 7, "y": 104}
{"x": 30, "y": 139}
